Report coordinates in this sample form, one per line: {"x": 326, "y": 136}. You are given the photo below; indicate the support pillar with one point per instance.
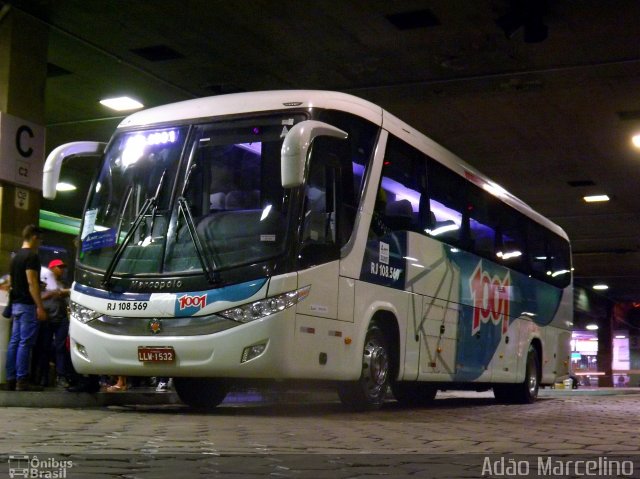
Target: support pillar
{"x": 633, "y": 321}
{"x": 605, "y": 348}
{"x": 23, "y": 73}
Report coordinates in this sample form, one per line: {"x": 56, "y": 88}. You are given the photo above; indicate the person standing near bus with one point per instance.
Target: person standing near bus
{"x": 55, "y": 330}
{"x": 27, "y": 309}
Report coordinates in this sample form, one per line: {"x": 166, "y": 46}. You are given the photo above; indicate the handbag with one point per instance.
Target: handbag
{"x": 6, "y": 312}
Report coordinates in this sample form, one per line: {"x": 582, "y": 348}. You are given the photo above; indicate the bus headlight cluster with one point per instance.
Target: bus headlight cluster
{"x": 82, "y": 313}
{"x": 259, "y": 309}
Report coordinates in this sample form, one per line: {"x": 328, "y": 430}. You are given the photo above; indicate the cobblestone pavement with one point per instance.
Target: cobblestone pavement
{"x": 308, "y": 438}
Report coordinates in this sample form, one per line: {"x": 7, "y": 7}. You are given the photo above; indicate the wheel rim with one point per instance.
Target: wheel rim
{"x": 375, "y": 367}
{"x": 533, "y": 375}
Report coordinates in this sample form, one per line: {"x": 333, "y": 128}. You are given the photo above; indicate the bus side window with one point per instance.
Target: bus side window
{"x": 511, "y": 248}
{"x": 318, "y": 227}
{"x": 559, "y": 261}
{"x": 481, "y": 234}
{"x": 446, "y": 203}
{"x": 401, "y": 192}
{"x": 540, "y": 257}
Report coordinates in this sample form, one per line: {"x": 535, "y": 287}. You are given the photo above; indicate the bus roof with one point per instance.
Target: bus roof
{"x": 278, "y": 100}
{"x": 209, "y": 107}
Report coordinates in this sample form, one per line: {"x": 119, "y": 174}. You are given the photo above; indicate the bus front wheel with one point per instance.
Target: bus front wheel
{"x": 368, "y": 392}
{"x": 201, "y": 393}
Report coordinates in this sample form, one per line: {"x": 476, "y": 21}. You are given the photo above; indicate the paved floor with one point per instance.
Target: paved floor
{"x": 316, "y": 438}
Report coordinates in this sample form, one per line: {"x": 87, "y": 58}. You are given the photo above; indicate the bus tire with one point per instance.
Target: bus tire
{"x": 525, "y": 392}
{"x": 369, "y": 391}
{"x": 201, "y": 393}
{"x": 414, "y": 394}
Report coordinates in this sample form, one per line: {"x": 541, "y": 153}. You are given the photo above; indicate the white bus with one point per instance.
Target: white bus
{"x": 310, "y": 235}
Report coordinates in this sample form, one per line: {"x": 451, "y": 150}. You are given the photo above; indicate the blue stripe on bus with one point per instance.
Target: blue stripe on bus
{"x": 110, "y": 295}
{"x": 188, "y": 304}
{"x": 384, "y": 264}
{"x": 233, "y": 293}
{"x": 476, "y": 347}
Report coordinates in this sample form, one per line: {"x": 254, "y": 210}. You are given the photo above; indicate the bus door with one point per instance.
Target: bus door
{"x": 432, "y": 276}
{"x": 438, "y": 333}
{"x": 320, "y": 242}
{"x": 327, "y": 222}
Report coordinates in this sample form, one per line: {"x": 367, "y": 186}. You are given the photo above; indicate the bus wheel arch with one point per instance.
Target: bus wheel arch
{"x": 380, "y": 363}
{"x": 533, "y": 373}
{"x": 525, "y": 392}
{"x": 387, "y": 322}
{"x": 536, "y": 343}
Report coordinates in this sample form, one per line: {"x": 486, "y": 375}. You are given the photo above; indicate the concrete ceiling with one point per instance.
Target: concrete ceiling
{"x": 537, "y": 116}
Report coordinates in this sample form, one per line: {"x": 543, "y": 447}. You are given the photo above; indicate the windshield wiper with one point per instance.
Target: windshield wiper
{"x": 118, "y": 254}
{"x": 148, "y": 203}
{"x": 124, "y": 208}
{"x": 187, "y": 178}
{"x": 206, "y": 262}
{"x": 155, "y": 205}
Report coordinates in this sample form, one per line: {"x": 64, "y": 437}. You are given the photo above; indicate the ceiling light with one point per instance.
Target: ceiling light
{"x": 635, "y": 139}
{"x": 122, "y": 103}
{"x": 592, "y": 327}
{"x": 621, "y": 336}
{"x": 65, "y": 187}
{"x": 600, "y": 287}
{"x": 596, "y": 198}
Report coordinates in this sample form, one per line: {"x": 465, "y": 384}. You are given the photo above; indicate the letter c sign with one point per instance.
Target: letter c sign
{"x": 24, "y": 130}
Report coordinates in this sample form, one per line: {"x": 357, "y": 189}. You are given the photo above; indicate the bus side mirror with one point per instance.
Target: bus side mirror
{"x": 52, "y": 165}
{"x": 296, "y": 147}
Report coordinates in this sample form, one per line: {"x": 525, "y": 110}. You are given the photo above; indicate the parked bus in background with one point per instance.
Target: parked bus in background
{"x": 310, "y": 235}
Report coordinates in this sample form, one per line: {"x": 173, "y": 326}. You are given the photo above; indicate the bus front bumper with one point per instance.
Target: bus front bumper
{"x": 257, "y": 349}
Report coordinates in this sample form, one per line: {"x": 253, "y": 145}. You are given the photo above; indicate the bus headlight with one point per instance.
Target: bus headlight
{"x": 252, "y": 352}
{"x": 259, "y": 309}
{"x": 82, "y": 313}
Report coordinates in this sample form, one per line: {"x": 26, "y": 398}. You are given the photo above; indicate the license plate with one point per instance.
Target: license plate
{"x": 156, "y": 354}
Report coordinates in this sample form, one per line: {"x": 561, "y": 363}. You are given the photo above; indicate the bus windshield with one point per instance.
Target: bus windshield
{"x": 130, "y": 176}
{"x": 180, "y": 200}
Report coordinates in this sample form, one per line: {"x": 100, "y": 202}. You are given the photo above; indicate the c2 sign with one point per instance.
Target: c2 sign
{"x": 21, "y": 151}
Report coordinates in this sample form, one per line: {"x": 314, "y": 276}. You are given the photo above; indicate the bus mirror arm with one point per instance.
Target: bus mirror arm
{"x": 51, "y": 171}
{"x": 296, "y": 147}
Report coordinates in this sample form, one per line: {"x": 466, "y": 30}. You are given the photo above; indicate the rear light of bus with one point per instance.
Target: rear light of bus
{"x": 259, "y": 309}
{"x": 82, "y": 313}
